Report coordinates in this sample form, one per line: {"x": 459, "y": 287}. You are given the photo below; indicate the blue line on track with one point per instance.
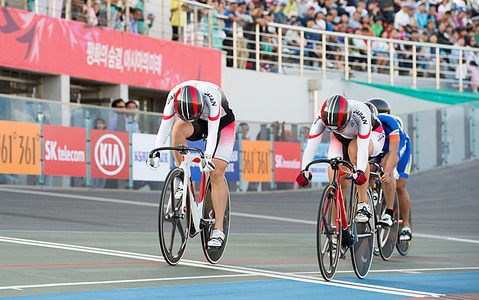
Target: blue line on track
{"x": 446, "y": 283}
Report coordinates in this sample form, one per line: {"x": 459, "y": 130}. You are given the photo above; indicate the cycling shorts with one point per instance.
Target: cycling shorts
{"x": 339, "y": 144}
{"x": 226, "y": 135}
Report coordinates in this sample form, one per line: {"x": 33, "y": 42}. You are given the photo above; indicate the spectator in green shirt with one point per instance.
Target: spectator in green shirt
{"x": 378, "y": 27}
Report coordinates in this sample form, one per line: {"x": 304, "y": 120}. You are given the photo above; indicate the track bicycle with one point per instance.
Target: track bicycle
{"x": 386, "y": 236}
{"x": 182, "y": 214}
{"x": 337, "y": 230}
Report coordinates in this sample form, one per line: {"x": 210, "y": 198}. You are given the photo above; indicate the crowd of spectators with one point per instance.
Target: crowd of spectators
{"x": 447, "y": 22}
{"x": 96, "y": 15}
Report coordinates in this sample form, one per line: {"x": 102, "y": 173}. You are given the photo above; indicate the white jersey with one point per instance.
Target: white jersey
{"x": 213, "y": 109}
{"x": 359, "y": 126}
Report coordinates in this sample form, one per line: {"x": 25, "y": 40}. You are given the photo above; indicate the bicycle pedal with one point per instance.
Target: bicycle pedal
{"x": 207, "y": 222}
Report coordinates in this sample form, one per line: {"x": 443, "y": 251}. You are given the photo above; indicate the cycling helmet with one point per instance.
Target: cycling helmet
{"x": 372, "y": 108}
{"x": 335, "y": 112}
{"x": 189, "y": 103}
{"x": 381, "y": 104}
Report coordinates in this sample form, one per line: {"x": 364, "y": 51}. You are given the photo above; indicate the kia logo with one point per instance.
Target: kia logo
{"x": 110, "y": 154}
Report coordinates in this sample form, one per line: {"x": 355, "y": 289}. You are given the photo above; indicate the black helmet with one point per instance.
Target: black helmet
{"x": 189, "y": 103}
{"x": 335, "y": 112}
{"x": 372, "y": 108}
{"x": 381, "y": 104}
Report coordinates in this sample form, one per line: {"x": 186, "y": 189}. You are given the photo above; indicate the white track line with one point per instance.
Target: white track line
{"x": 22, "y": 287}
{"x": 245, "y": 215}
{"x": 227, "y": 268}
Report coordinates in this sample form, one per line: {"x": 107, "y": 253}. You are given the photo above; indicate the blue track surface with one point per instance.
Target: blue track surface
{"x": 447, "y": 283}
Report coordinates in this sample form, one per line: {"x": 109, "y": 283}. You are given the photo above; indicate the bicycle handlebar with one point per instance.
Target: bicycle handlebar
{"x": 379, "y": 168}
{"x": 334, "y": 162}
{"x": 182, "y": 149}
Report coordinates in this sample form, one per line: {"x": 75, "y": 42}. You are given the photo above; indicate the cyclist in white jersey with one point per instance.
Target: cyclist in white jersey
{"x": 356, "y": 136}
{"x": 203, "y": 110}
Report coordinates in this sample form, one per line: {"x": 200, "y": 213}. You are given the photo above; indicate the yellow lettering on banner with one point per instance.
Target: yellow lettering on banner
{"x": 256, "y": 161}
{"x": 20, "y": 148}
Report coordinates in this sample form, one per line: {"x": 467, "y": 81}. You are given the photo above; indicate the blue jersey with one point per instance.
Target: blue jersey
{"x": 393, "y": 128}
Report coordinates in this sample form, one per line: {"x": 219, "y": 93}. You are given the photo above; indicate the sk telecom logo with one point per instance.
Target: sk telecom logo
{"x": 110, "y": 154}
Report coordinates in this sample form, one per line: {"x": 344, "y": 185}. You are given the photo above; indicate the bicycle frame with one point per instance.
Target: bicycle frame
{"x": 338, "y": 173}
{"x": 188, "y": 191}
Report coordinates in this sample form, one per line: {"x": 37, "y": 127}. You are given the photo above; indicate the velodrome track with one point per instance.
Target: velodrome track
{"x": 85, "y": 244}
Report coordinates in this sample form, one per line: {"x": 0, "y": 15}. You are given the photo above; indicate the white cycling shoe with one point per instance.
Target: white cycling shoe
{"x": 364, "y": 213}
{"x": 217, "y": 238}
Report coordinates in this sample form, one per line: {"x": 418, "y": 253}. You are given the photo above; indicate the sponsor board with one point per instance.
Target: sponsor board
{"x": 64, "y": 151}
{"x": 109, "y": 154}
{"x": 232, "y": 170}
{"x": 287, "y": 161}
{"x": 20, "y": 149}
{"x": 142, "y": 145}
{"x": 256, "y": 156}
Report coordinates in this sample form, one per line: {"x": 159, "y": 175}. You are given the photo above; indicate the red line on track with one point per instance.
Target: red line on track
{"x": 228, "y": 261}
{"x": 84, "y": 264}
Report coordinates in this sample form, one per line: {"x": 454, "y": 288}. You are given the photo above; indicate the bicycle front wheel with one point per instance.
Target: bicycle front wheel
{"x": 362, "y": 249}
{"x": 328, "y": 241}
{"x": 173, "y": 218}
{"x": 213, "y": 254}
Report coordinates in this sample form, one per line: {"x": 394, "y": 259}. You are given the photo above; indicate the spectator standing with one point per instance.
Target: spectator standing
{"x": 280, "y": 16}
{"x": 232, "y": 16}
{"x": 131, "y": 109}
{"x": 303, "y": 7}
{"x": 380, "y": 50}
{"x": 250, "y": 32}
{"x": 474, "y": 72}
{"x": 292, "y": 6}
{"x": 175, "y": 17}
{"x": 421, "y": 16}
{"x": 244, "y": 129}
{"x": 117, "y": 123}
{"x": 402, "y": 17}
{"x": 217, "y": 25}
{"x": 88, "y": 15}
{"x": 149, "y": 19}
{"x": 242, "y": 43}
{"x": 387, "y": 10}
{"x": 134, "y": 19}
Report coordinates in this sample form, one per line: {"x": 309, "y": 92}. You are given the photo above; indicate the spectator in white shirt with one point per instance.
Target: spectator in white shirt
{"x": 402, "y": 17}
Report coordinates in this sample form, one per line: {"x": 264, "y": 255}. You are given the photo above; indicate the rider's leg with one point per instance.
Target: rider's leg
{"x": 389, "y": 189}
{"x": 403, "y": 199}
{"x": 181, "y": 130}
{"x": 353, "y": 156}
{"x": 219, "y": 191}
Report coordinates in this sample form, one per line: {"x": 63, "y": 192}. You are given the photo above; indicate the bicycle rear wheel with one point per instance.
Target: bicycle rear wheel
{"x": 387, "y": 236}
{"x": 362, "y": 249}
{"x": 403, "y": 247}
{"x": 328, "y": 242}
{"x": 173, "y": 219}
{"x": 214, "y": 254}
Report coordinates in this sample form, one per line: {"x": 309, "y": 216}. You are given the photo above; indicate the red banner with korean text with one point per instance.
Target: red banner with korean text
{"x": 110, "y": 155}
{"x": 40, "y": 43}
{"x": 287, "y": 161}
{"x": 64, "y": 151}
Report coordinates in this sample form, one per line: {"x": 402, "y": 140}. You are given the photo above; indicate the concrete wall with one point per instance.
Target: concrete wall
{"x": 267, "y": 97}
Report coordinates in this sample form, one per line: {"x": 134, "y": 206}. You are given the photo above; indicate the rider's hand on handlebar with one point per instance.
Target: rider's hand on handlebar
{"x": 303, "y": 178}
{"x": 153, "y": 162}
{"x": 360, "y": 178}
{"x": 206, "y": 164}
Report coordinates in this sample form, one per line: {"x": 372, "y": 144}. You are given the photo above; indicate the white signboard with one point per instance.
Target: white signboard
{"x": 142, "y": 145}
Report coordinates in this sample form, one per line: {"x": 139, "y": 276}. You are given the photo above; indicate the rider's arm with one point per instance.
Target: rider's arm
{"x": 214, "y": 117}
{"x": 314, "y": 139}
{"x": 364, "y": 136}
{"x": 390, "y": 162}
{"x": 167, "y": 121}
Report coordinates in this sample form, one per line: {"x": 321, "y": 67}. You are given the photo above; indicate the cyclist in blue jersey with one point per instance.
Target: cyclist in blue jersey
{"x": 396, "y": 161}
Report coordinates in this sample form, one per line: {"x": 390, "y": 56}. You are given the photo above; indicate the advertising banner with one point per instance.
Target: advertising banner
{"x": 53, "y": 45}
{"x": 232, "y": 170}
{"x": 287, "y": 161}
{"x": 20, "y": 149}
{"x": 64, "y": 151}
{"x": 109, "y": 154}
{"x": 142, "y": 145}
{"x": 320, "y": 171}
{"x": 256, "y": 157}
